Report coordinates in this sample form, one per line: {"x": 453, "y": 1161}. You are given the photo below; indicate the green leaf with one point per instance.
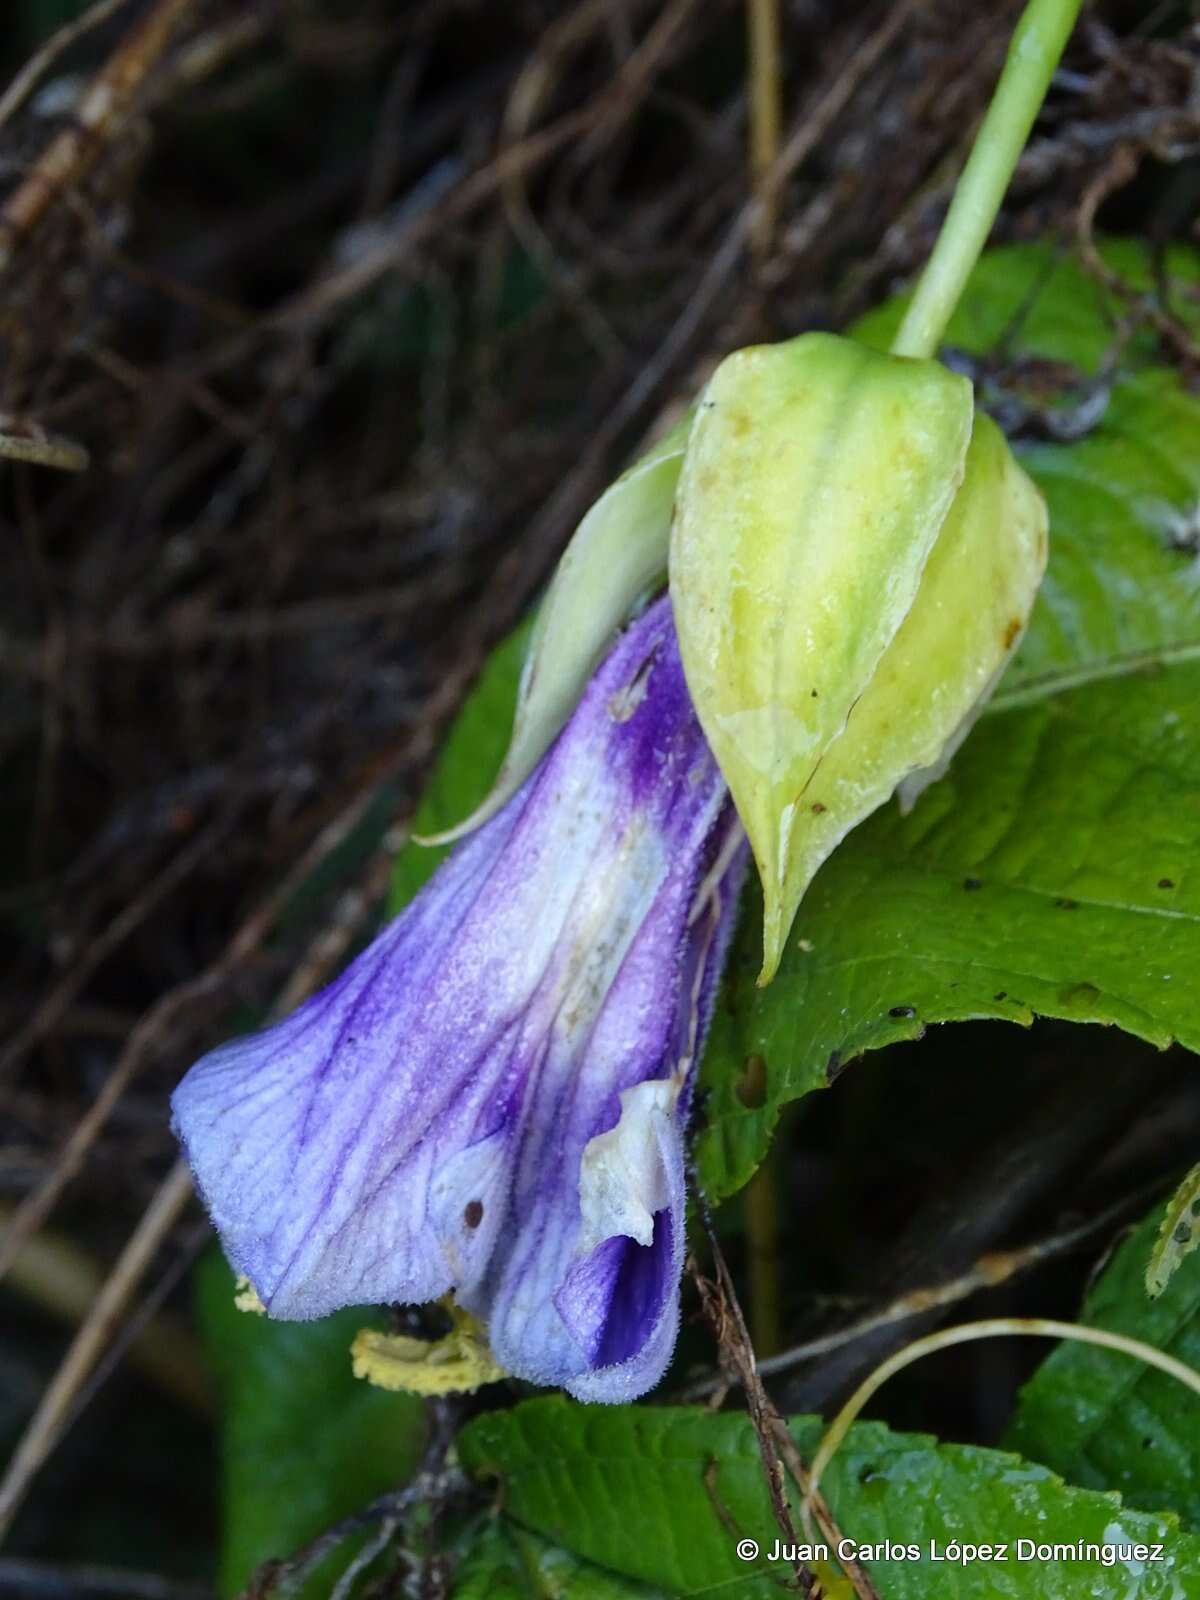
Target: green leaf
{"x": 1053, "y": 871}
{"x": 1099, "y": 1418}
{"x": 663, "y": 1494}
{"x": 303, "y": 1442}
{"x": 505, "y": 1562}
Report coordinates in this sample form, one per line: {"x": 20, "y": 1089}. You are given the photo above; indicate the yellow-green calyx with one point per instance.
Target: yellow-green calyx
{"x": 853, "y": 558}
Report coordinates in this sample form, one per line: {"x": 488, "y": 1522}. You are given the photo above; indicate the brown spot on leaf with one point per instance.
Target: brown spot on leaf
{"x": 751, "y": 1088}
{"x": 1011, "y": 633}
{"x": 473, "y": 1214}
{"x": 1078, "y": 994}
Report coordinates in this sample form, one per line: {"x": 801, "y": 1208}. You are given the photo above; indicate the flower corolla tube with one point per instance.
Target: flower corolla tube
{"x": 492, "y": 1099}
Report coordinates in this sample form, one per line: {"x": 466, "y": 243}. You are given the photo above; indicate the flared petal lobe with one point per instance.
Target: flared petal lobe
{"x": 491, "y": 1099}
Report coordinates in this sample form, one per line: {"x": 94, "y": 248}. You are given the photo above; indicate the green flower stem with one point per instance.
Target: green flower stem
{"x": 1036, "y": 47}
{"x": 761, "y": 1213}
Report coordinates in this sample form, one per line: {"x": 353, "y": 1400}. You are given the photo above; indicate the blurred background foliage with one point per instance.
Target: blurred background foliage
{"x": 354, "y": 308}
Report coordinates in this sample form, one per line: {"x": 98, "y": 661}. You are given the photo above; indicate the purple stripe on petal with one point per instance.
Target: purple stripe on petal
{"x": 491, "y": 1098}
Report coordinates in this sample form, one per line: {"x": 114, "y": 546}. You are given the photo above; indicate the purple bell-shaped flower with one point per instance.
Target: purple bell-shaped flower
{"x": 491, "y": 1099}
